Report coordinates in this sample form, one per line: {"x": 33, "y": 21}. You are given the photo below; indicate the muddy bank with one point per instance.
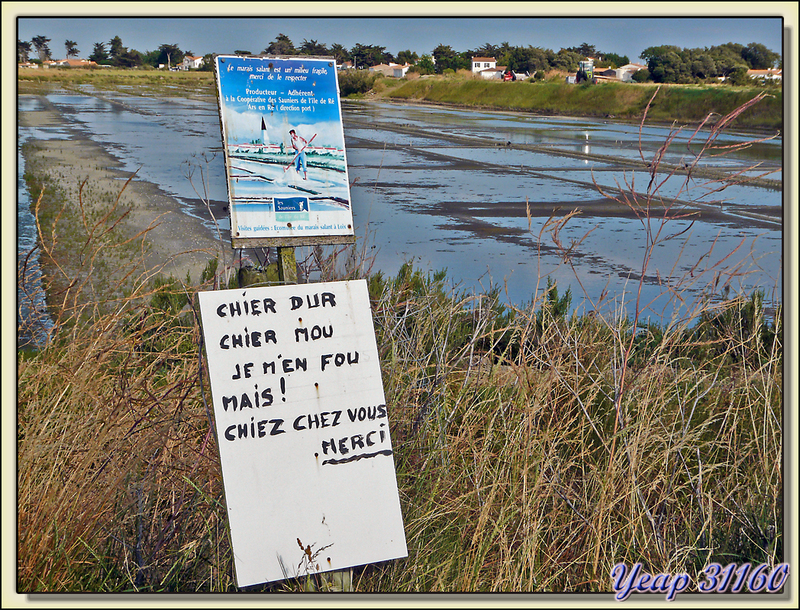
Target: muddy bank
{"x": 174, "y": 243}
{"x": 471, "y": 215}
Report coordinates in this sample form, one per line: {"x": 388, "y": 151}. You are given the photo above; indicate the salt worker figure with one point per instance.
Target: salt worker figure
{"x": 299, "y": 144}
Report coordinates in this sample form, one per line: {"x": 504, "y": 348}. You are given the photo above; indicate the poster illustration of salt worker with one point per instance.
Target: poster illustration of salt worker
{"x": 284, "y": 147}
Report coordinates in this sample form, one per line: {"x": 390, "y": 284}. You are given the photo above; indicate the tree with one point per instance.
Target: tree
{"x": 128, "y": 59}
{"x": 365, "y": 56}
{"x": 567, "y": 60}
{"x": 503, "y": 53}
{"x": 151, "y": 58}
{"x": 487, "y": 50}
{"x": 407, "y": 57}
{"x": 282, "y": 45}
{"x": 529, "y": 59}
{"x": 612, "y": 60}
{"x": 23, "y": 51}
{"x": 72, "y": 48}
{"x": 666, "y": 64}
{"x": 115, "y": 47}
{"x": 40, "y": 43}
{"x": 447, "y": 59}
{"x": 360, "y": 55}
{"x": 241, "y": 52}
{"x": 670, "y": 64}
{"x": 386, "y": 57}
{"x": 584, "y": 50}
{"x": 738, "y": 76}
{"x": 425, "y": 65}
{"x": 443, "y": 57}
{"x": 339, "y": 53}
{"x": 703, "y": 66}
{"x": 208, "y": 63}
{"x": 99, "y": 55}
{"x": 727, "y": 58}
{"x": 759, "y": 57}
{"x": 169, "y": 54}
{"x": 312, "y": 47}
{"x": 355, "y": 81}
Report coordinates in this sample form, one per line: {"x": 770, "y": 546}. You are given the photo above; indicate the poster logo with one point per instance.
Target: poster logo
{"x": 289, "y": 209}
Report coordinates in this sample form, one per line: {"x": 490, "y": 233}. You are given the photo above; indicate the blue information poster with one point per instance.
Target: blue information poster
{"x": 284, "y": 150}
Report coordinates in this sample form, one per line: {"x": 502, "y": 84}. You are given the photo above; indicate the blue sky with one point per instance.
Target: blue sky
{"x": 400, "y": 26}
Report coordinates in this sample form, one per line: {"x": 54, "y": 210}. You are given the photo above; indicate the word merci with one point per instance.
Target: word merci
{"x": 336, "y": 445}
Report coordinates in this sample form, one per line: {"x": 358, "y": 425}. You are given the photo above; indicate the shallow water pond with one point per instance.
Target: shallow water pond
{"x": 451, "y": 188}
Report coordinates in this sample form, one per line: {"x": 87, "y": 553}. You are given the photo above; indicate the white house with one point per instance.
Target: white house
{"x": 625, "y": 73}
{"x": 771, "y": 74}
{"x": 399, "y": 71}
{"x": 492, "y": 73}
{"x": 479, "y": 64}
{"x": 384, "y": 69}
{"x": 391, "y": 69}
{"x": 70, "y": 63}
{"x": 190, "y": 61}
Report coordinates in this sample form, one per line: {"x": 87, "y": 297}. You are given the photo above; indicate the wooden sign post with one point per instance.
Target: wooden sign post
{"x": 287, "y": 266}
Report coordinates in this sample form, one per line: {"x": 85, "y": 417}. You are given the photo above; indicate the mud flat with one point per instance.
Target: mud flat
{"x": 175, "y": 243}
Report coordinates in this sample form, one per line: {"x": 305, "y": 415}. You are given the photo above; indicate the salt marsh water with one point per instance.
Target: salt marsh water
{"x": 452, "y": 189}
{"x": 465, "y": 207}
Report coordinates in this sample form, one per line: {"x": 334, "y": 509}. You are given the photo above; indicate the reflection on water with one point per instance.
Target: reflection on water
{"x": 464, "y": 207}
{"x": 168, "y": 142}
{"x": 450, "y": 189}
{"x": 30, "y": 298}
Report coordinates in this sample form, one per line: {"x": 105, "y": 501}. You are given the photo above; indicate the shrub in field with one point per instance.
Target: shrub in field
{"x": 355, "y": 82}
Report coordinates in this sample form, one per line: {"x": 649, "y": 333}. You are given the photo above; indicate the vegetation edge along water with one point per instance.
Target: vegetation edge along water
{"x": 689, "y": 103}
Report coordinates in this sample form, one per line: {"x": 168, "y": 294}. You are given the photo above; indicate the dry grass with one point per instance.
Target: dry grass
{"x": 516, "y": 475}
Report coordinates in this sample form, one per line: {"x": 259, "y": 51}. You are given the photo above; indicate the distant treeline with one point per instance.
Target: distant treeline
{"x": 665, "y": 64}
{"x": 670, "y": 64}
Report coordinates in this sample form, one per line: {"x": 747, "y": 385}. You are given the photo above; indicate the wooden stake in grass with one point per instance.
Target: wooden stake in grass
{"x": 338, "y": 580}
{"x": 287, "y": 266}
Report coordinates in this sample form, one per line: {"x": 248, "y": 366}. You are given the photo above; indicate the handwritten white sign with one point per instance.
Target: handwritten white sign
{"x": 302, "y": 428}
